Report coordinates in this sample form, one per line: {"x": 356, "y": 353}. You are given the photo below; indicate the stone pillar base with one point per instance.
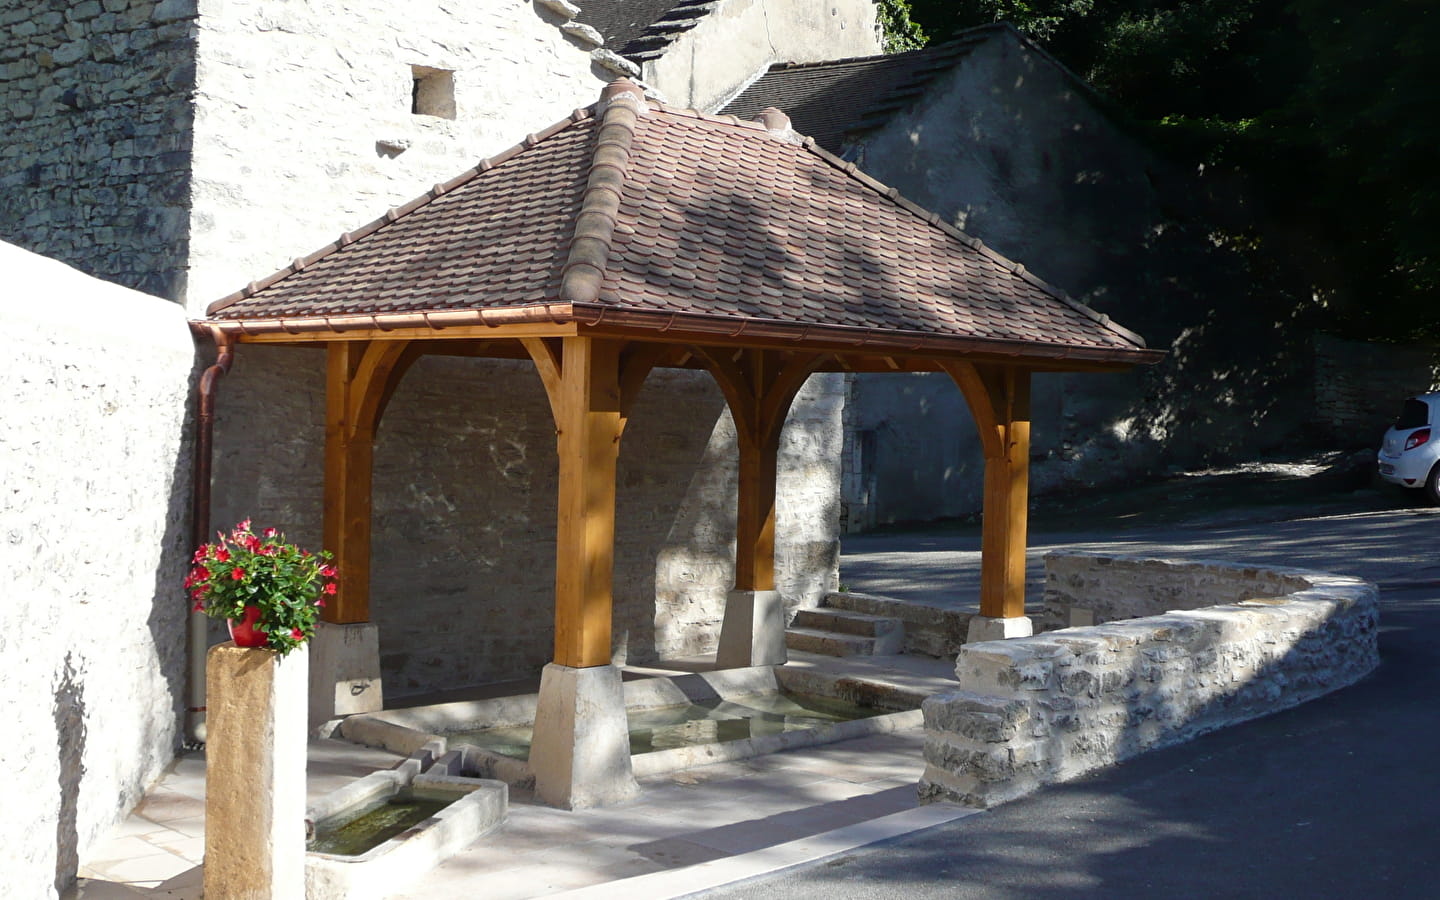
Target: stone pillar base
{"x": 984, "y": 628}
{"x": 753, "y": 633}
{"x": 580, "y": 752}
{"x": 255, "y": 774}
{"x": 344, "y": 671}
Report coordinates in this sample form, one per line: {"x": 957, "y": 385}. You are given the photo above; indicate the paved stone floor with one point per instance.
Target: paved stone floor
{"x": 738, "y": 819}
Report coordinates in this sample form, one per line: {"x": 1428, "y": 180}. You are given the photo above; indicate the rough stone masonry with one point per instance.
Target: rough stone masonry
{"x": 1048, "y": 708}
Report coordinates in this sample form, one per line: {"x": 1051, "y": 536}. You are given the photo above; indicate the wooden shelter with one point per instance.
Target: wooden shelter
{"x": 632, "y": 236}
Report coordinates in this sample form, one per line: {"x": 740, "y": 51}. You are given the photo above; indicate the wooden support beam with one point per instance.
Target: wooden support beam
{"x": 360, "y": 379}
{"x": 999, "y": 399}
{"x": 759, "y": 386}
{"x": 591, "y": 384}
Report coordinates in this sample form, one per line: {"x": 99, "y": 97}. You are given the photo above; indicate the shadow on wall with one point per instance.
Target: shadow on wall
{"x": 168, "y": 619}
{"x": 675, "y": 519}
{"x": 70, "y": 729}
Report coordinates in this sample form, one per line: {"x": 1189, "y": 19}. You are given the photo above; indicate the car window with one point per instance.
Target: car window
{"x": 1416, "y": 414}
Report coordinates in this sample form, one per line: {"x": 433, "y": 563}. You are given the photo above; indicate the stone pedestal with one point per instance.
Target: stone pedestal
{"x": 344, "y": 671}
{"x": 255, "y": 774}
{"x": 753, "y": 633}
{"x": 580, "y": 752}
{"x": 985, "y": 628}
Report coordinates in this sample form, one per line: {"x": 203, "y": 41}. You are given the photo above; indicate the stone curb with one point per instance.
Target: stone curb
{"x": 731, "y": 869}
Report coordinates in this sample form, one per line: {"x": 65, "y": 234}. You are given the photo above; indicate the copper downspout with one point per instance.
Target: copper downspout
{"x": 197, "y": 625}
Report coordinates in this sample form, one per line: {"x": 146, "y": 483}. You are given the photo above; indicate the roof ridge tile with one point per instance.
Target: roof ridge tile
{"x": 584, "y": 270}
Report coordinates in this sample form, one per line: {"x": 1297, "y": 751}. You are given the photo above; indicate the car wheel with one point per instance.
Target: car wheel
{"x": 1432, "y": 486}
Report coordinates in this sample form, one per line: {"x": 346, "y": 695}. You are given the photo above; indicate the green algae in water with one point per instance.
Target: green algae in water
{"x": 373, "y": 826}
{"x": 699, "y": 723}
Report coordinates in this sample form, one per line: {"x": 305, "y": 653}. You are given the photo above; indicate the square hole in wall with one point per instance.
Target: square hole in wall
{"x": 432, "y": 92}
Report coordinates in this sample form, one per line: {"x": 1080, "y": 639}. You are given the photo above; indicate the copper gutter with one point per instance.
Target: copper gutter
{"x": 694, "y": 328}
{"x": 197, "y": 623}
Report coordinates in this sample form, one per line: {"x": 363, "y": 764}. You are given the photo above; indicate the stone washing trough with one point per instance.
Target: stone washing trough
{"x": 384, "y": 830}
{"x": 460, "y": 727}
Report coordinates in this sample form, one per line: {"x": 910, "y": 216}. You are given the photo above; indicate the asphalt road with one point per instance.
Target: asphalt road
{"x": 1339, "y": 798}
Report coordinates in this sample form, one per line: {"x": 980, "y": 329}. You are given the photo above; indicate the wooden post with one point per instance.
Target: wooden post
{"x": 999, "y": 399}
{"x": 591, "y": 384}
{"x": 360, "y": 378}
{"x": 755, "y": 512}
{"x": 580, "y": 753}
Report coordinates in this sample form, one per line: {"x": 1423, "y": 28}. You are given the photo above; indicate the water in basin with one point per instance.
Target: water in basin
{"x": 364, "y": 829}
{"x": 698, "y": 723}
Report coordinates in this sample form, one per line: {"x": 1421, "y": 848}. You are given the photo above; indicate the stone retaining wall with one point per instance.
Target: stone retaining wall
{"x": 1048, "y": 708}
{"x": 1359, "y": 386}
{"x": 1095, "y": 588}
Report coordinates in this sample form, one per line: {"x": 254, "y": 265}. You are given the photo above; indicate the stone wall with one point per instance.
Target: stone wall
{"x": 93, "y": 535}
{"x": 1043, "y": 709}
{"x": 707, "y": 66}
{"x": 95, "y": 135}
{"x": 1095, "y": 588}
{"x": 1359, "y": 387}
{"x": 465, "y": 493}
{"x": 304, "y": 123}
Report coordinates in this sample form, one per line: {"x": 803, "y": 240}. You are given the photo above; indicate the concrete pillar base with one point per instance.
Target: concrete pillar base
{"x": 255, "y": 774}
{"x": 984, "y": 628}
{"x": 580, "y": 752}
{"x": 753, "y": 633}
{"x": 344, "y": 671}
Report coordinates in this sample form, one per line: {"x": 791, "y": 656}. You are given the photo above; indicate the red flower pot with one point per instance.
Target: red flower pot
{"x": 245, "y": 631}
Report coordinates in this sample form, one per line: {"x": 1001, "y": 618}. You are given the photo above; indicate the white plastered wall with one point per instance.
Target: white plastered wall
{"x": 706, "y": 65}
{"x": 93, "y": 528}
{"x": 303, "y": 128}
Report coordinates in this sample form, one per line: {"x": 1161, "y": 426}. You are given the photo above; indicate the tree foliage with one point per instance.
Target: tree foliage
{"x": 901, "y": 32}
{"x": 1322, "y": 108}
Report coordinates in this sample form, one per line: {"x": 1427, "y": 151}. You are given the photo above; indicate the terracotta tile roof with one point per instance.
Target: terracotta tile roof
{"x": 641, "y": 30}
{"x": 647, "y": 214}
{"x": 832, "y": 100}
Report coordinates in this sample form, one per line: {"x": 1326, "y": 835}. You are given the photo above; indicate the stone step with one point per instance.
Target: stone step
{"x": 829, "y": 643}
{"x": 847, "y": 622}
{"x": 931, "y": 630}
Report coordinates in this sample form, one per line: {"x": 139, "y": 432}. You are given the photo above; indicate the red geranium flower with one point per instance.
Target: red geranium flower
{"x": 237, "y": 574}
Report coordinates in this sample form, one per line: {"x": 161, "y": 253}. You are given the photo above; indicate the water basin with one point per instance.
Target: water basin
{"x": 676, "y": 721}
{"x": 697, "y": 723}
{"x": 361, "y": 830}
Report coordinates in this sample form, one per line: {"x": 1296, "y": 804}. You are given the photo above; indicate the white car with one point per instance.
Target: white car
{"x": 1410, "y": 455}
